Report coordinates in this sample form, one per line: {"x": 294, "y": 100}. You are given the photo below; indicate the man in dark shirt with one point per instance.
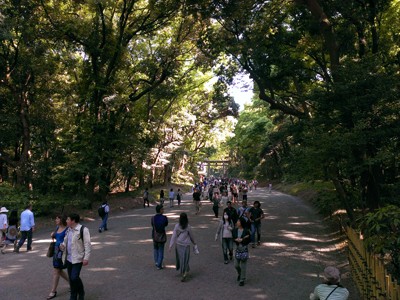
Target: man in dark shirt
{"x": 158, "y": 223}
{"x": 231, "y": 211}
{"x": 256, "y": 214}
{"x": 196, "y": 200}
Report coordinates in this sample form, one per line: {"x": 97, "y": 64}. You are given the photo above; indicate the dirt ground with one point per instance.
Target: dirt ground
{"x": 296, "y": 246}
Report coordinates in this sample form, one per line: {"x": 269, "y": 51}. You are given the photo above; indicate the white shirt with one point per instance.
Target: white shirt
{"x": 3, "y": 221}
{"x": 322, "y": 291}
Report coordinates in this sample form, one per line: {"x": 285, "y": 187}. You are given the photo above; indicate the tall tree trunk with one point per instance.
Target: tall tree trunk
{"x": 23, "y": 169}
{"x": 344, "y": 199}
{"x": 327, "y": 32}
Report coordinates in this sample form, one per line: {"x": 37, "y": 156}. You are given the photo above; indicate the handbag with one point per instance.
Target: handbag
{"x": 242, "y": 255}
{"x": 50, "y": 251}
{"x": 159, "y": 237}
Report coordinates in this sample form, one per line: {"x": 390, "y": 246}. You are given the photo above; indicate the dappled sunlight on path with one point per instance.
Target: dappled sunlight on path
{"x": 295, "y": 247}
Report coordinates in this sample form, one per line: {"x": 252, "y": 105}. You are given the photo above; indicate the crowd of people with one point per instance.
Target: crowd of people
{"x": 238, "y": 228}
{"x": 71, "y": 247}
{"x": 240, "y": 225}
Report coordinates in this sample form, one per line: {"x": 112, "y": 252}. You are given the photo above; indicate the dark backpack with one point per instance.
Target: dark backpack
{"x": 81, "y": 233}
{"x": 102, "y": 211}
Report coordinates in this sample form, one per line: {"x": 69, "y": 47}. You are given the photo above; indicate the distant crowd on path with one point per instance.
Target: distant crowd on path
{"x": 240, "y": 225}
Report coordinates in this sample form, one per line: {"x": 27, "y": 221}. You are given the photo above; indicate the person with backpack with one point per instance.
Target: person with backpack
{"x": 243, "y": 212}
{"x": 103, "y": 211}
{"x": 77, "y": 248}
{"x": 158, "y": 223}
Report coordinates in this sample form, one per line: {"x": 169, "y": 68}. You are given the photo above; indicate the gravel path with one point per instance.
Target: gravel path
{"x": 296, "y": 246}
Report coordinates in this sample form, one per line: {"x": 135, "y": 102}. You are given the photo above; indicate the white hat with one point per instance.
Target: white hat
{"x": 332, "y": 274}
{"x": 3, "y": 209}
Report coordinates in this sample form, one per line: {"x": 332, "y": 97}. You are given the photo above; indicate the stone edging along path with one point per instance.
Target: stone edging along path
{"x": 296, "y": 246}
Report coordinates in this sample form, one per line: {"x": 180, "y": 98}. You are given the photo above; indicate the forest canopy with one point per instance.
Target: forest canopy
{"x": 99, "y": 96}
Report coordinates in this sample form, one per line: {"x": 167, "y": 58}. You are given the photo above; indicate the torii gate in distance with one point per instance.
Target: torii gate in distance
{"x": 217, "y": 164}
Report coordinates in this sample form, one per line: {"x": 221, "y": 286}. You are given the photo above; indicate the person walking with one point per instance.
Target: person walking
{"x": 158, "y": 223}
{"x": 224, "y": 230}
{"x": 171, "y": 196}
{"x": 256, "y": 214}
{"x": 162, "y": 197}
{"x": 241, "y": 237}
{"x": 58, "y": 265}
{"x": 27, "y": 228}
{"x": 179, "y": 196}
{"x": 12, "y": 231}
{"x": 243, "y": 212}
{"x": 215, "y": 202}
{"x": 104, "y": 210}
{"x": 182, "y": 237}
{"x": 77, "y": 248}
{"x": 197, "y": 200}
{"x": 231, "y": 211}
{"x": 3, "y": 223}
{"x": 330, "y": 288}
{"x": 146, "y": 198}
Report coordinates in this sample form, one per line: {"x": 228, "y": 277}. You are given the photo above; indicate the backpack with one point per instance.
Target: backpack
{"x": 102, "y": 211}
{"x": 81, "y": 233}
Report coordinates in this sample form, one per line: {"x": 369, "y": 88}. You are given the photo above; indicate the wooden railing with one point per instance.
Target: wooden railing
{"x": 368, "y": 271}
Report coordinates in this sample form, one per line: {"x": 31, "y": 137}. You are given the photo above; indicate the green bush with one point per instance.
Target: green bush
{"x": 381, "y": 230}
{"x": 43, "y": 205}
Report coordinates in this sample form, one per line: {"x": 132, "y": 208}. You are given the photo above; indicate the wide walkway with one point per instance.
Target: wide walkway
{"x": 295, "y": 248}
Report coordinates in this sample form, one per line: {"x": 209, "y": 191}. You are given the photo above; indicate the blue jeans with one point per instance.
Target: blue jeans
{"x": 227, "y": 247}
{"x": 26, "y": 235}
{"x": 158, "y": 253}
{"x": 104, "y": 222}
{"x": 75, "y": 282}
{"x": 255, "y": 228}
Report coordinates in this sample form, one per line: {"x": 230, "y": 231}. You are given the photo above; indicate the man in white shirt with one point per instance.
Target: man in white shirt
{"x": 27, "y": 227}
{"x": 77, "y": 248}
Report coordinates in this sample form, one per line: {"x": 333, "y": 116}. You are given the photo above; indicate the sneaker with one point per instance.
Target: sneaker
{"x": 241, "y": 283}
{"x": 160, "y": 268}
{"x": 225, "y": 262}
{"x": 100, "y": 230}
{"x": 258, "y": 243}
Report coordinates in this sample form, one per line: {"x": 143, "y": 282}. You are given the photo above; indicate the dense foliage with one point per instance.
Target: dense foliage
{"x": 329, "y": 73}
{"x": 102, "y": 95}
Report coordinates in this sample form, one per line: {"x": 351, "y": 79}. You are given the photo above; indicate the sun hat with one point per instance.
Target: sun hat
{"x": 3, "y": 209}
{"x": 332, "y": 274}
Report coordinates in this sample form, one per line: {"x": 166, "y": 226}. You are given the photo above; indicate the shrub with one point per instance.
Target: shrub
{"x": 381, "y": 230}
